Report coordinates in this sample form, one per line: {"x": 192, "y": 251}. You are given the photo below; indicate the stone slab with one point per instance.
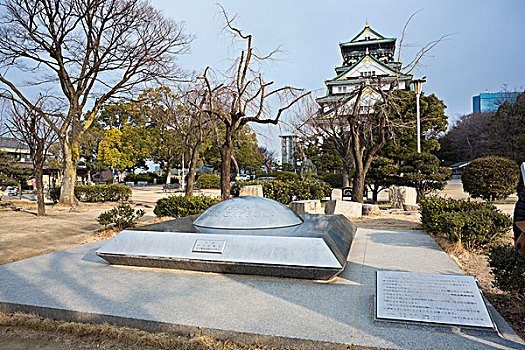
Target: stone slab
{"x": 410, "y": 207}
{"x": 75, "y": 284}
{"x": 402, "y": 194}
{"x": 337, "y": 194}
{"x": 371, "y": 209}
{"x": 251, "y": 190}
{"x": 311, "y": 206}
{"x": 431, "y": 298}
{"x": 347, "y": 208}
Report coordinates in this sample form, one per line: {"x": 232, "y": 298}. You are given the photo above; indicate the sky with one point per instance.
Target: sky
{"x": 485, "y": 52}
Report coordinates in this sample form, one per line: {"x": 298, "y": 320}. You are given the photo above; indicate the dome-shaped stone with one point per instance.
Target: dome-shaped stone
{"x": 247, "y": 213}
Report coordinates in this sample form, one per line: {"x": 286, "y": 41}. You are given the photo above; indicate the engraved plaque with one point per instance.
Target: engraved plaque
{"x": 207, "y": 246}
{"x": 444, "y": 299}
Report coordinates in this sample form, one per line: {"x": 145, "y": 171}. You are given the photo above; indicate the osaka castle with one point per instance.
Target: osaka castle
{"x": 366, "y": 58}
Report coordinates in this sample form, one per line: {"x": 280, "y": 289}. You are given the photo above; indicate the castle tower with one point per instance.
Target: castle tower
{"x": 367, "y": 57}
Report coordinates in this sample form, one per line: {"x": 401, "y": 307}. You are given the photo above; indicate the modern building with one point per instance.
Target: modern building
{"x": 288, "y": 149}
{"x": 490, "y": 101}
{"x": 366, "y": 58}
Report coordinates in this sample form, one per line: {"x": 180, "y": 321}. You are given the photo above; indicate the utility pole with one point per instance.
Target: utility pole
{"x": 418, "y": 86}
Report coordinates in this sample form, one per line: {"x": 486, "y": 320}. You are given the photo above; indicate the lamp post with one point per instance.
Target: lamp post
{"x": 418, "y": 85}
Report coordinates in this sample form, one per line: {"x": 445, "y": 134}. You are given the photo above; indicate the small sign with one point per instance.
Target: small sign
{"x": 206, "y": 246}
{"x": 444, "y": 299}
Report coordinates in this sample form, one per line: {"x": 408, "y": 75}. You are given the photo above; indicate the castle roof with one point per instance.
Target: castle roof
{"x": 394, "y": 71}
{"x": 378, "y": 38}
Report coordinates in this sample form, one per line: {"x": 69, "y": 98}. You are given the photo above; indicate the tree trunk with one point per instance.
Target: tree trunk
{"x": 346, "y": 179}
{"x": 38, "y": 163}
{"x": 346, "y": 175}
{"x": 67, "y": 189}
{"x": 358, "y": 185}
{"x": 226, "y": 155}
{"x": 168, "y": 174}
{"x": 375, "y": 193}
{"x": 191, "y": 170}
{"x": 236, "y": 167}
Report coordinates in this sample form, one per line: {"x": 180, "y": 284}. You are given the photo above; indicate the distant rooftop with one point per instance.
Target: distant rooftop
{"x": 12, "y": 143}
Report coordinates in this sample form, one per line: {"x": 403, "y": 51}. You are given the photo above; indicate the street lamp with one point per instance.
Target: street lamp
{"x": 418, "y": 85}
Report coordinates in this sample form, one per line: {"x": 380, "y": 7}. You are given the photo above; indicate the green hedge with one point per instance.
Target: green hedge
{"x": 475, "y": 224}
{"x": 508, "y": 268}
{"x": 433, "y": 206}
{"x": 281, "y": 175}
{"x": 475, "y": 229}
{"x": 209, "y": 181}
{"x": 335, "y": 180}
{"x": 179, "y": 206}
{"x": 96, "y": 193}
{"x": 286, "y": 176}
{"x": 287, "y": 191}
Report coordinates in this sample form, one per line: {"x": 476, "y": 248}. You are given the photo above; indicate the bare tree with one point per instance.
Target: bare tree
{"x": 91, "y": 50}
{"x": 31, "y": 129}
{"x": 268, "y": 157}
{"x": 199, "y": 128}
{"x": 358, "y": 129}
{"x": 243, "y": 96}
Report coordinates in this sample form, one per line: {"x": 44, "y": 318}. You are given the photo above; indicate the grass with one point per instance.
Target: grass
{"x": 124, "y": 335}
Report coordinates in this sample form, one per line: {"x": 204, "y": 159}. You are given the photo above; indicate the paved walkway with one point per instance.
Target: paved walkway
{"x": 75, "y": 284}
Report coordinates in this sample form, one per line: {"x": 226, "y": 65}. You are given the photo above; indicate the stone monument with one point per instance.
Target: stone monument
{"x": 245, "y": 235}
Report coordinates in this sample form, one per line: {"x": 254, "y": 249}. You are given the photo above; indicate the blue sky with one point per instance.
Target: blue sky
{"x": 485, "y": 52}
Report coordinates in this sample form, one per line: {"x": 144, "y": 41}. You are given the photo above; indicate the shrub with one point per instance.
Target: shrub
{"x": 286, "y": 176}
{"x": 475, "y": 229}
{"x": 490, "y": 178}
{"x": 335, "y": 180}
{"x": 209, "y": 181}
{"x": 148, "y": 177}
{"x": 287, "y": 191}
{"x": 122, "y": 216}
{"x": 281, "y": 175}
{"x": 508, "y": 268}
{"x": 433, "y": 206}
{"x": 95, "y": 193}
{"x": 179, "y": 206}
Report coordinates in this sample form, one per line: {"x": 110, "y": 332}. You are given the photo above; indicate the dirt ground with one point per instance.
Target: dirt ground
{"x": 23, "y": 235}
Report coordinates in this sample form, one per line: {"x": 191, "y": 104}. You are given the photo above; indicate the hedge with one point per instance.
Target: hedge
{"x": 96, "y": 193}
{"x": 475, "y": 225}
{"x": 475, "y": 229}
{"x": 147, "y": 177}
{"x": 433, "y": 206}
{"x": 490, "y": 178}
{"x": 281, "y": 175}
{"x": 209, "y": 181}
{"x": 508, "y": 268}
{"x": 180, "y": 206}
{"x": 335, "y": 180}
{"x": 287, "y": 191}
